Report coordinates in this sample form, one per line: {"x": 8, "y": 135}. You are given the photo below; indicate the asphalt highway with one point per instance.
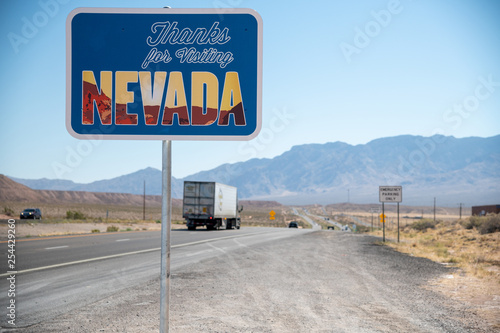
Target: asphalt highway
{"x": 37, "y": 253}
{"x": 59, "y": 274}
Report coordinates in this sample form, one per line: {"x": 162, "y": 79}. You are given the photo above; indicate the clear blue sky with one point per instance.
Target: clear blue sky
{"x": 350, "y": 71}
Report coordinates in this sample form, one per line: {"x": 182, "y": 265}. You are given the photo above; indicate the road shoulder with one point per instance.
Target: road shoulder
{"x": 321, "y": 281}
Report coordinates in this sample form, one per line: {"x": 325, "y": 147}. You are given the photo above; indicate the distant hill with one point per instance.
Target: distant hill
{"x": 453, "y": 170}
{"x": 11, "y": 191}
{"x": 131, "y": 183}
{"x": 465, "y": 170}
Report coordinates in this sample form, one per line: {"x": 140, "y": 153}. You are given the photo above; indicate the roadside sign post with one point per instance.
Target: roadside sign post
{"x": 390, "y": 194}
{"x": 164, "y": 74}
{"x": 382, "y": 219}
{"x": 166, "y": 226}
{"x": 398, "y": 222}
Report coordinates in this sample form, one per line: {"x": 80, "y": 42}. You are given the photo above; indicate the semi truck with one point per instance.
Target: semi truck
{"x": 210, "y": 204}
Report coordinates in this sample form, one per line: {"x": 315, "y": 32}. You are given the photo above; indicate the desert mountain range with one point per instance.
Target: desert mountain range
{"x": 453, "y": 170}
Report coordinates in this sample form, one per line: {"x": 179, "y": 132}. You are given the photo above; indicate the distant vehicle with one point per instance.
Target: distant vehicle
{"x": 293, "y": 224}
{"x": 31, "y": 213}
{"x": 210, "y": 204}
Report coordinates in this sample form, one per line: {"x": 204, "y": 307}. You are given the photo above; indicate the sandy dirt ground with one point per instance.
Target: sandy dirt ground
{"x": 321, "y": 282}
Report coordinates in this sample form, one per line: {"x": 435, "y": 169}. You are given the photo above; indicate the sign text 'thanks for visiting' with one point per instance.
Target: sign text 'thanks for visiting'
{"x": 170, "y": 74}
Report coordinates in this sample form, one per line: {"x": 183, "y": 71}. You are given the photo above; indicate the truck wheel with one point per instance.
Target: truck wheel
{"x": 192, "y": 228}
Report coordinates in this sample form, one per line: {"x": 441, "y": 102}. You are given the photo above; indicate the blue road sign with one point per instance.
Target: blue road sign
{"x": 167, "y": 74}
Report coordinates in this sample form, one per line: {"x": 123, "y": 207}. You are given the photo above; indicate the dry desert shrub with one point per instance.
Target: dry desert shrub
{"x": 424, "y": 224}
{"x": 74, "y": 215}
{"x": 112, "y": 228}
{"x": 483, "y": 224}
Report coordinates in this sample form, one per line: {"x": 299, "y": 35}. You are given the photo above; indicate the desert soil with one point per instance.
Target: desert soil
{"x": 321, "y": 282}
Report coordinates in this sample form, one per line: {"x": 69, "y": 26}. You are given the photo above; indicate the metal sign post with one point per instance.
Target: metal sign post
{"x": 390, "y": 194}
{"x": 383, "y": 220}
{"x": 166, "y": 225}
{"x": 398, "y": 222}
{"x": 156, "y": 74}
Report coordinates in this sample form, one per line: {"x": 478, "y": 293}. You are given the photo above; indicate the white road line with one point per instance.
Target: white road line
{"x": 129, "y": 253}
{"x": 122, "y": 240}
{"x": 197, "y": 253}
{"x": 217, "y": 248}
{"x": 56, "y": 247}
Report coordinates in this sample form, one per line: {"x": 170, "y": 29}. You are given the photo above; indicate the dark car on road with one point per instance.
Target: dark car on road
{"x": 31, "y": 213}
{"x": 293, "y": 224}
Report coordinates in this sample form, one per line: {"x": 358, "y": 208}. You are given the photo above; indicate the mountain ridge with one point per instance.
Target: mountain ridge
{"x": 456, "y": 170}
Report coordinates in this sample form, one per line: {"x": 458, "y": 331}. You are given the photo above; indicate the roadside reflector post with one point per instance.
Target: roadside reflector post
{"x": 166, "y": 209}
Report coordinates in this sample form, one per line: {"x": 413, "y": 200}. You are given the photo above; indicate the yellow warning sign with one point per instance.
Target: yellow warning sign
{"x": 271, "y": 215}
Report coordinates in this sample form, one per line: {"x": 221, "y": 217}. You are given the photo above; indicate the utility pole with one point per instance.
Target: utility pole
{"x": 461, "y": 210}
{"x": 372, "y": 218}
{"x": 434, "y": 209}
{"x": 144, "y": 203}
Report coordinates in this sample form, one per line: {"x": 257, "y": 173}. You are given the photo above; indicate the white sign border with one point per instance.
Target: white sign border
{"x": 220, "y": 11}
{"x": 393, "y": 187}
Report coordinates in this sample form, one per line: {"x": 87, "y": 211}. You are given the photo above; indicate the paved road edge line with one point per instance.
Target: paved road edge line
{"x": 123, "y": 254}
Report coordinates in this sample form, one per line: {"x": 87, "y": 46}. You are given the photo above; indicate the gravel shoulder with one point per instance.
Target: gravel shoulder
{"x": 320, "y": 282}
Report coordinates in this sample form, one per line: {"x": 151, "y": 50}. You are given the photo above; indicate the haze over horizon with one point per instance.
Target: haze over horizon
{"x": 333, "y": 71}
{"x": 453, "y": 170}
{"x": 220, "y": 165}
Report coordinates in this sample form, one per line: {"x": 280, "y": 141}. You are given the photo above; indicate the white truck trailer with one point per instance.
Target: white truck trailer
{"x": 210, "y": 204}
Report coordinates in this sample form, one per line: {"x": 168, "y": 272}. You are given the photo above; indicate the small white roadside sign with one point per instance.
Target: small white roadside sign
{"x": 390, "y": 193}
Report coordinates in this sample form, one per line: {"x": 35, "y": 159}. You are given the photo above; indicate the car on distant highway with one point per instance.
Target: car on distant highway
{"x": 31, "y": 213}
{"x": 293, "y": 224}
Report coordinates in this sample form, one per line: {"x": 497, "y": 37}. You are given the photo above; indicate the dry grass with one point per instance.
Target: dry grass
{"x": 477, "y": 282}
{"x": 450, "y": 243}
{"x": 94, "y": 211}
{"x": 252, "y": 214}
